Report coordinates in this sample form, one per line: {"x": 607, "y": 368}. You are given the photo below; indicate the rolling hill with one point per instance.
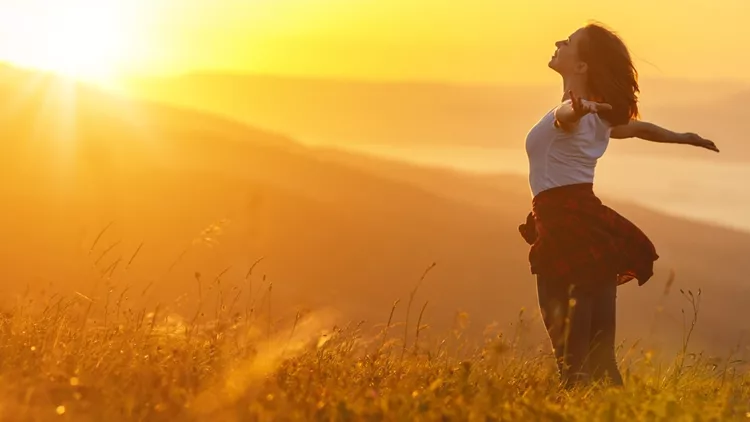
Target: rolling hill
{"x": 173, "y": 206}
{"x": 341, "y": 112}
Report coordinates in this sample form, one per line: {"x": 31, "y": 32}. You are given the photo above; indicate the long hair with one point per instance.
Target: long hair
{"x": 611, "y": 76}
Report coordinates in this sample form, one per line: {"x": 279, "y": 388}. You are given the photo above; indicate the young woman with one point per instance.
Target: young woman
{"x": 581, "y": 250}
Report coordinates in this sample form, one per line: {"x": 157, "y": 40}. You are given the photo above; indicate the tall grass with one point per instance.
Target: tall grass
{"x": 99, "y": 358}
{"x": 57, "y": 363}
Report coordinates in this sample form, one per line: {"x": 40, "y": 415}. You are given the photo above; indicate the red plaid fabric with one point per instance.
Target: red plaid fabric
{"x": 572, "y": 234}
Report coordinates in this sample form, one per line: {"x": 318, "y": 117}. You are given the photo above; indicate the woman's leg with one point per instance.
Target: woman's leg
{"x": 567, "y": 315}
{"x": 603, "y": 361}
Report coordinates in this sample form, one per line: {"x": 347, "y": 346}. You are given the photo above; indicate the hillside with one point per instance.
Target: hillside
{"x": 340, "y": 112}
{"x": 149, "y": 195}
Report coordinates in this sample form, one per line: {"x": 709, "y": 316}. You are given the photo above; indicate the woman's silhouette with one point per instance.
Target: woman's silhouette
{"x": 581, "y": 250}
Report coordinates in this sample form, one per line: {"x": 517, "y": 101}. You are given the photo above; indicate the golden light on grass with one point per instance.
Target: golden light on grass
{"x": 232, "y": 370}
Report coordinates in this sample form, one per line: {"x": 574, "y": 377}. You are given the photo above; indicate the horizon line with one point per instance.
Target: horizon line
{"x": 354, "y": 79}
{"x": 394, "y": 81}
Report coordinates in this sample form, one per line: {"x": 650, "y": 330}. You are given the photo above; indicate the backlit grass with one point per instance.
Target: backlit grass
{"x": 67, "y": 359}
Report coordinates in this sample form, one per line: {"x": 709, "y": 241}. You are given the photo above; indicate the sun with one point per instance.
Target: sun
{"x": 85, "y": 39}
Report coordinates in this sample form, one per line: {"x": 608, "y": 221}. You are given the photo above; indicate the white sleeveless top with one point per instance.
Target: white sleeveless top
{"x": 559, "y": 158}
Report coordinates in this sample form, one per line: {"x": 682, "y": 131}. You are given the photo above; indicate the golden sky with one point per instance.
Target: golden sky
{"x": 466, "y": 41}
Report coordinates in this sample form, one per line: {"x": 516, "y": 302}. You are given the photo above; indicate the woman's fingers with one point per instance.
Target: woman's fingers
{"x": 710, "y": 145}
{"x": 702, "y": 142}
{"x": 580, "y": 106}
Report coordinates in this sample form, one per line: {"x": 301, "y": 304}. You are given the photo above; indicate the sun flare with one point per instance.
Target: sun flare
{"x": 80, "y": 38}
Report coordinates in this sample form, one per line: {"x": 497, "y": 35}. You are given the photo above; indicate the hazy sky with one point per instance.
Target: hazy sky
{"x": 466, "y": 41}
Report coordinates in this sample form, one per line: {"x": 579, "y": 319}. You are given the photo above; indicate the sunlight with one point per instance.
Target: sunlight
{"x": 84, "y": 39}
{"x": 65, "y": 42}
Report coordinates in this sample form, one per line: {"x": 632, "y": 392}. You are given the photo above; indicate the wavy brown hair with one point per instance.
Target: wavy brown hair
{"x": 611, "y": 76}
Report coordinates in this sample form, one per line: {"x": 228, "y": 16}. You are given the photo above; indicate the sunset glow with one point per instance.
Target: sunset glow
{"x": 336, "y": 209}
{"x": 472, "y": 41}
{"x": 80, "y": 38}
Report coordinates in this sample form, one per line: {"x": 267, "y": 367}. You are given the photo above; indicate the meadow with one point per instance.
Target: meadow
{"x": 89, "y": 359}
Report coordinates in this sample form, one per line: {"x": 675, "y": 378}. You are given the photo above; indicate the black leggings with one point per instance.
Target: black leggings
{"x": 581, "y": 323}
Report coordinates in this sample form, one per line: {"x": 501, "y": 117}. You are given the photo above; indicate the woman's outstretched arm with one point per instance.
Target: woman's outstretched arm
{"x": 651, "y": 132}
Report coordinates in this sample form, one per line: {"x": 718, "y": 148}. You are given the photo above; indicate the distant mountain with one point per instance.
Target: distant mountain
{"x": 340, "y": 112}
{"x": 106, "y": 194}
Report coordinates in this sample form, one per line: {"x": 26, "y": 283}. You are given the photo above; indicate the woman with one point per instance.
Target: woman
{"x": 581, "y": 250}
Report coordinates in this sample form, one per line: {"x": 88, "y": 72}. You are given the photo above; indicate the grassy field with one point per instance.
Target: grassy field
{"x": 78, "y": 359}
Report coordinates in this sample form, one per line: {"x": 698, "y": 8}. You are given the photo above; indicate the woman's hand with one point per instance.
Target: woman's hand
{"x": 583, "y": 107}
{"x": 567, "y": 114}
{"x": 698, "y": 141}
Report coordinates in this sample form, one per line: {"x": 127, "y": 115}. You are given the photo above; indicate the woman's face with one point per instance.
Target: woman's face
{"x": 566, "y": 61}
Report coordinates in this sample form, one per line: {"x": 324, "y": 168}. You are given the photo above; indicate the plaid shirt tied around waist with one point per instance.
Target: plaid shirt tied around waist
{"x": 572, "y": 234}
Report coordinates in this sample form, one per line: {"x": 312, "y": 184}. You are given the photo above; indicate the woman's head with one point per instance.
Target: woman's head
{"x": 600, "y": 59}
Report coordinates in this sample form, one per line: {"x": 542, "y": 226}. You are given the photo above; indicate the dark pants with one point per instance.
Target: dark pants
{"x": 581, "y": 323}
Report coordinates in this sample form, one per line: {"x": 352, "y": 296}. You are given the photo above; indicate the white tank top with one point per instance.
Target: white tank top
{"x": 559, "y": 158}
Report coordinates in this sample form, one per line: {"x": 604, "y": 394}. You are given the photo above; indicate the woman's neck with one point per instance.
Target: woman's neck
{"x": 577, "y": 85}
